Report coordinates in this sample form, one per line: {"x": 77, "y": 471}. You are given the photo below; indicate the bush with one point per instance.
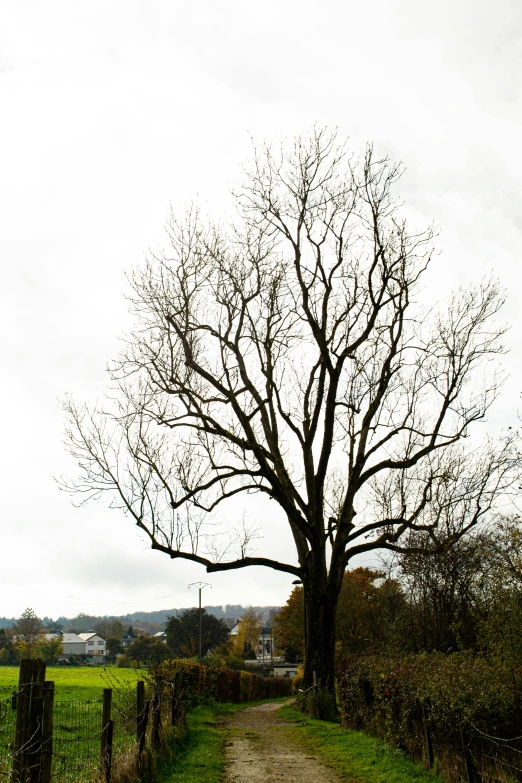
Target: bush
{"x": 297, "y": 680}
{"x": 124, "y": 662}
{"x": 224, "y": 685}
{"x": 463, "y": 700}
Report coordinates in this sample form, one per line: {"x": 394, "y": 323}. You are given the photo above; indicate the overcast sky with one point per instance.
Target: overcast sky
{"x": 112, "y": 110}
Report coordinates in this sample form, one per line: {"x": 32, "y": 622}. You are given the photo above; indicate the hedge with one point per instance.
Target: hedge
{"x": 468, "y": 709}
{"x": 223, "y": 685}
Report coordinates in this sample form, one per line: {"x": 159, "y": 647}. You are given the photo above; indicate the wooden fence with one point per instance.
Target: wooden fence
{"x": 43, "y": 749}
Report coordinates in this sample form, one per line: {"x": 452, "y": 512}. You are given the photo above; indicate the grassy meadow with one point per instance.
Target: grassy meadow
{"x": 76, "y": 682}
{"x": 77, "y": 716}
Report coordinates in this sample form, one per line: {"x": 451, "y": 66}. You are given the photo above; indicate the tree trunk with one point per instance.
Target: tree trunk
{"x": 320, "y": 602}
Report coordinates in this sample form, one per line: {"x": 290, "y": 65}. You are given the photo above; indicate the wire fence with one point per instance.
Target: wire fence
{"x": 77, "y": 730}
{"x": 7, "y": 729}
{"x": 80, "y": 740}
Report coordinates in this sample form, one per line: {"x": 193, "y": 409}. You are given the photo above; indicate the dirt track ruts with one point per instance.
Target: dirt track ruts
{"x": 258, "y": 751}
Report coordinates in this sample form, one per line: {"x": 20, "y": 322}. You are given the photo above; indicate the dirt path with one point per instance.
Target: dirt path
{"x": 258, "y": 751}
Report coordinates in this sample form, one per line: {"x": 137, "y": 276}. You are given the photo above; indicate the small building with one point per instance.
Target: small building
{"x": 94, "y": 644}
{"x": 284, "y": 669}
{"x": 72, "y": 644}
{"x": 161, "y": 636}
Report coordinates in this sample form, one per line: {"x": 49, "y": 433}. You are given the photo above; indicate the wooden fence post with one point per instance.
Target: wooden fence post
{"x": 33, "y": 754}
{"x": 23, "y": 700}
{"x": 155, "y": 739}
{"x": 470, "y": 770}
{"x": 47, "y": 732}
{"x": 175, "y": 712}
{"x": 143, "y": 718}
{"x": 106, "y": 719}
{"x": 140, "y": 709}
{"x": 427, "y": 734}
{"x": 108, "y": 751}
{"x": 29, "y": 713}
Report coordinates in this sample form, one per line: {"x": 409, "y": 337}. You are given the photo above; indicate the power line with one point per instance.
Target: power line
{"x": 91, "y": 599}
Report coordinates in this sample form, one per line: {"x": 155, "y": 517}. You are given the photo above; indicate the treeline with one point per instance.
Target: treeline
{"x": 150, "y": 622}
{"x": 445, "y": 597}
{"x": 429, "y": 651}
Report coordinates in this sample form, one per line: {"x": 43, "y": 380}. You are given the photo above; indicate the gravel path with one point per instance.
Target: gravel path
{"x": 258, "y": 751}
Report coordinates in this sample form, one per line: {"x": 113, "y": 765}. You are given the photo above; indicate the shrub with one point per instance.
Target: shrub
{"x": 297, "y": 680}
{"x": 124, "y": 662}
{"x": 464, "y": 701}
{"x": 224, "y": 685}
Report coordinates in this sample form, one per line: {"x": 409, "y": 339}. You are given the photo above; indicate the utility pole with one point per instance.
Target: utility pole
{"x": 199, "y": 586}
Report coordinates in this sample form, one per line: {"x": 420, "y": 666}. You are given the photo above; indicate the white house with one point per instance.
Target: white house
{"x": 284, "y": 670}
{"x": 94, "y": 644}
{"x": 71, "y": 643}
{"x": 161, "y": 636}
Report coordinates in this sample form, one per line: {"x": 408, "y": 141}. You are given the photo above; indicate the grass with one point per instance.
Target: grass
{"x": 357, "y": 756}
{"x": 200, "y": 757}
{"x": 77, "y": 716}
{"x": 75, "y": 682}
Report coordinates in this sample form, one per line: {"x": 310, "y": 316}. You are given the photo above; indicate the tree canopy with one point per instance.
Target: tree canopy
{"x": 183, "y": 633}
{"x": 287, "y": 355}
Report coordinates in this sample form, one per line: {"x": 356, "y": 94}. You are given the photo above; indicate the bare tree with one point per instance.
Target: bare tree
{"x": 286, "y": 354}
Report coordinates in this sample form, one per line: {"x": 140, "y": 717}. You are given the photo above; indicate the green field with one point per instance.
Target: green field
{"x": 76, "y": 682}
{"x": 77, "y": 716}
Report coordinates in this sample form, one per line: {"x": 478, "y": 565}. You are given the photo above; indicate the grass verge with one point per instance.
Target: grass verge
{"x": 200, "y": 757}
{"x": 357, "y": 756}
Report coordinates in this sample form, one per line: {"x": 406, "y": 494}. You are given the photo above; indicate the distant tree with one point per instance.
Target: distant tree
{"x": 27, "y": 633}
{"x": 110, "y": 629}
{"x": 82, "y": 623}
{"x": 445, "y": 592}
{"x": 367, "y": 610}
{"x": 49, "y": 650}
{"x": 183, "y": 633}
{"x": 113, "y": 647}
{"x": 130, "y": 632}
{"x": 247, "y": 639}
{"x": 6, "y": 650}
{"x": 288, "y": 627}
{"x": 147, "y": 650}
{"x": 54, "y": 627}
{"x": 366, "y": 614}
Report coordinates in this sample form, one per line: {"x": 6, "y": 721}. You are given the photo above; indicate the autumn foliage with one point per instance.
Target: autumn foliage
{"x": 366, "y": 607}
{"x": 224, "y": 685}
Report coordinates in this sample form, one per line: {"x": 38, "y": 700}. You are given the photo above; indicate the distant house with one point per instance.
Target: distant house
{"x": 94, "y": 644}
{"x": 265, "y": 646}
{"x": 127, "y": 640}
{"x": 72, "y": 644}
{"x": 284, "y": 670}
{"x": 161, "y": 636}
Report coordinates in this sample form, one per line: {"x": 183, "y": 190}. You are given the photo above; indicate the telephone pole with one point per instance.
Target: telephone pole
{"x": 199, "y": 586}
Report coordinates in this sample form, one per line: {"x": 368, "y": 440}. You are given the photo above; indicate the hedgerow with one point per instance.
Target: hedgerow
{"x": 224, "y": 685}
{"x": 469, "y": 707}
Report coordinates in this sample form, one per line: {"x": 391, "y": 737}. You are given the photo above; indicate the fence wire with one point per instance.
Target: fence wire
{"x": 124, "y": 713}
{"x": 77, "y": 731}
{"x": 7, "y": 732}
{"x": 76, "y": 739}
